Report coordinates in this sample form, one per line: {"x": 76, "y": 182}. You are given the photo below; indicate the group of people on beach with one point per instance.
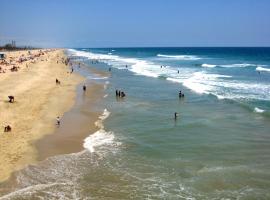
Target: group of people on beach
{"x": 14, "y": 63}
{"x": 119, "y": 93}
{"x": 181, "y": 95}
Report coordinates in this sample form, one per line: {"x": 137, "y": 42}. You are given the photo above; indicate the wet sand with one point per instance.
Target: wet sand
{"x": 77, "y": 123}
{"x": 75, "y": 126}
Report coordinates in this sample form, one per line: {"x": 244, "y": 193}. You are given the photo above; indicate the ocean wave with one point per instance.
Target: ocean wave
{"x": 202, "y": 83}
{"x": 258, "y": 110}
{"x": 221, "y": 86}
{"x": 179, "y": 57}
{"x": 237, "y": 65}
{"x": 260, "y": 69}
{"x": 100, "y": 137}
{"x": 242, "y": 65}
{"x": 208, "y": 65}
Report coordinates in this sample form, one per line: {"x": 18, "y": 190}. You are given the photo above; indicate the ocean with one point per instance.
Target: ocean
{"x": 217, "y": 148}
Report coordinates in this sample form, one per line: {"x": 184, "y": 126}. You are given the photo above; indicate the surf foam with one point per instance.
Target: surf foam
{"x": 262, "y": 69}
{"x": 258, "y": 110}
{"x": 208, "y": 65}
{"x": 242, "y": 65}
{"x": 179, "y": 57}
{"x": 100, "y": 137}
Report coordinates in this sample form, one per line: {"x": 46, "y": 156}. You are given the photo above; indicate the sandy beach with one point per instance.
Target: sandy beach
{"x": 38, "y": 101}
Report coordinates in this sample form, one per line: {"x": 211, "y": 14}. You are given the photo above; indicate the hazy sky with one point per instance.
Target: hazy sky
{"x": 112, "y": 23}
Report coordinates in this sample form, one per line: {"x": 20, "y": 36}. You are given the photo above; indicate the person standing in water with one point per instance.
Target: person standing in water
{"x": 175, "y": 115}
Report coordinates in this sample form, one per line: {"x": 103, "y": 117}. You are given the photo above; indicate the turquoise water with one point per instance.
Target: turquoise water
{"x": 218, "y": 148}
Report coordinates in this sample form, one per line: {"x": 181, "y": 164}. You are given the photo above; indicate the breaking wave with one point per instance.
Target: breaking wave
{"x": 179, "y": 57}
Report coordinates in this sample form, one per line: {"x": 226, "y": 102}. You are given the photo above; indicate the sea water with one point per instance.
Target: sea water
{"x": 217, "y": 148}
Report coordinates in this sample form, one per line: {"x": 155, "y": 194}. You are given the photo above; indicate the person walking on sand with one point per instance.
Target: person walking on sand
{"x": 58, "y": 120}
{"x": 84, "y": 88}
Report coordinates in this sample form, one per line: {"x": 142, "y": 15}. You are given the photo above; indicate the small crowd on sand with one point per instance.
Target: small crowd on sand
{"x": 12, "y": 63}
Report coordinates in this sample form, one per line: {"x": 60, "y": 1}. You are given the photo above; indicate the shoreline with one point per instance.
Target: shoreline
{"x": 77, "y": 123}
{"x": 38, "y": 101}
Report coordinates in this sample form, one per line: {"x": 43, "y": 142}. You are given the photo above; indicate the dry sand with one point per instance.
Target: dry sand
{"x": 38, "y": 101}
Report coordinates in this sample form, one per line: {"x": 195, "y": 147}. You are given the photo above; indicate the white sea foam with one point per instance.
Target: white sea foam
{"x": 262, "y": 69}
{"x": 179, "y": 57}
{"x": 241, "y": 65}
{"x": 208, "y": 65}
{"x": 101, "y": 137}
{"x": 97, "y": 78}
{"x": 202, "y": 83}
{"x": 258, "y": 110}
{"x": 237, "y": 65}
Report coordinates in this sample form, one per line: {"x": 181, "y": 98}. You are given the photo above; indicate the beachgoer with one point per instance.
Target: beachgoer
{"x": 58, "y": 120}
{"x": 7, "y": 128}
{"x": 11, "y": 99}
{"x": 175, "y": 115}
{"x": 123, "y": 94}
{"x": 116, "y": 93}
{"x": 178, "y": 71}
{"x": 84, "y": 88}
{"x": 57, "y": 81}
